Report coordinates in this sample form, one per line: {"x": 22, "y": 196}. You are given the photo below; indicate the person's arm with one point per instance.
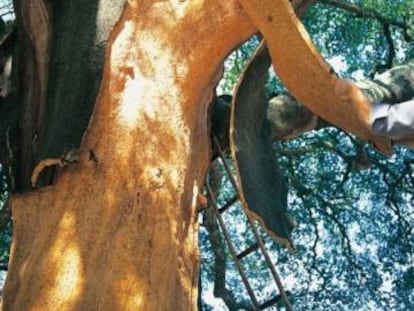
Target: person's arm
{"x": 393, "y": 121}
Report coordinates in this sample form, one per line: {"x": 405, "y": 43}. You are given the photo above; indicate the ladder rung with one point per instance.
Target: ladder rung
{"x": 233, "y": 251}
{"x": 272, "y": 301}
{"x": 247, "y": 251}
{"x": 228, "y": 204}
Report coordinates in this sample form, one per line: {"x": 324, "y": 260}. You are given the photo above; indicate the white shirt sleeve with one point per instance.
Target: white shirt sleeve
{"x": 393, "y": 121}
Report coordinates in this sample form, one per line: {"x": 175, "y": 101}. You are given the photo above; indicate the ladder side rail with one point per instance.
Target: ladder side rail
{"x": 233, "y": 250}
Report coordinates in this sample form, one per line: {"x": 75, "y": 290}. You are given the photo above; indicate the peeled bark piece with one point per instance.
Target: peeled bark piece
{"x": 220, "y": 122}
{"x": 262, "y": 186}
{"x": 301, "y": 67}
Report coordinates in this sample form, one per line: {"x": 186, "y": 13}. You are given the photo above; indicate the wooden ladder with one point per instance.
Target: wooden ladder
{"x": 259, "y": 245}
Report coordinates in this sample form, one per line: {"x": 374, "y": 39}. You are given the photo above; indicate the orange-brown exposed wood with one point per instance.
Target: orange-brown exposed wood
{"x": 303, "y": 70}
{"x": 118, "y": 231}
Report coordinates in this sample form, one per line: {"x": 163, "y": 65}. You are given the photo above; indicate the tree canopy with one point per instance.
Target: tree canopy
{"x": 353, "y": 207}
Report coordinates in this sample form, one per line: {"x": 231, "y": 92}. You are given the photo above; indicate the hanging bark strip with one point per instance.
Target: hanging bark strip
{"x": 301, "y": 67}
{"x": 262, "y": 187}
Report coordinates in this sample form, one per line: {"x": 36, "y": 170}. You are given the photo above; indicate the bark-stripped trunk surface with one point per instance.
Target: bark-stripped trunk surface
{"x": 118, "y": 230}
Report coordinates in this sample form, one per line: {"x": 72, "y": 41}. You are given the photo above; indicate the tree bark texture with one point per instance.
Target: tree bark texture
{"x": 58, "y": 69}
{"x": 118, "y": 231}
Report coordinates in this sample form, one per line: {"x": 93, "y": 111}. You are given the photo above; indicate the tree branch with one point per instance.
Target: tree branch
{"x": 392, "y": 86}
{"x": 364, "y": 12}
{"x": 301, "y": 6}
{"x": 289, "y": 119}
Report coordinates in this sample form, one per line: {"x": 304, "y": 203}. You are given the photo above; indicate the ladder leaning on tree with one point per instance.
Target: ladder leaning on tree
{"x": 260, "y": 186}
{"x": 238, "y": 257}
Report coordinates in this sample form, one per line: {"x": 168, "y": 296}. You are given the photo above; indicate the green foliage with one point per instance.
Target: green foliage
{"x": 355, "y": 234}
{"x": 354, "y": 239}
{"x": 355, "y": 227}
{"x": 235, "y": 64}
{"x": 362, "y": 40}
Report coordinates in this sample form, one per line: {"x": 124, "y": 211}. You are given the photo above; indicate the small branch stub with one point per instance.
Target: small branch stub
{"x": 70, "y": 157}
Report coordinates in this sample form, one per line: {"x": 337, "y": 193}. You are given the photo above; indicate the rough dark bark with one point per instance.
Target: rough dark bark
{"x": 394, "y": 86}
{"x": 80, "y": 31}
{"x": 58, "y": 68}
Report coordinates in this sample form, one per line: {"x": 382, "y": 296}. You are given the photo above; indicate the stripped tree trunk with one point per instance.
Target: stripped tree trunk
{"x": 118, "y": 230}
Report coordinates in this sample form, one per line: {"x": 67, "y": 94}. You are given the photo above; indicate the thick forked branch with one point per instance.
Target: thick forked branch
{"x": 289, "y": 119}
{"x": 301, "y": 67}
{"x": 34, "y": 20}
